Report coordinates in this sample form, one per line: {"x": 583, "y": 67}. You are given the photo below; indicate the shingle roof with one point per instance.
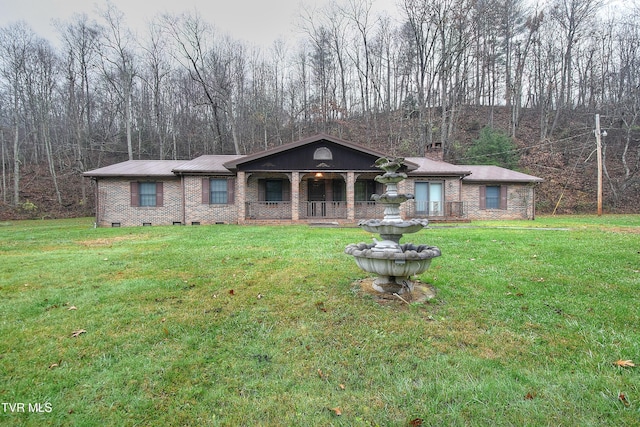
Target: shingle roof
{"x": 497, "y": 174}
{"x": 428, "y": 166}
{"x": 224, "y": 164}
{"x": 138, "y": 168}
{"x": 207, "y": 164}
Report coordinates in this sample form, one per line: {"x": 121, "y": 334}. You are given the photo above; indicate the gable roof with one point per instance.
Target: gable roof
{"x": 207, "y": 164}
{"x": 233, "y": 164}
{"x": 228, "y": 164}
{"x": 137, "y": 168}
{"x": 496, "y": 174}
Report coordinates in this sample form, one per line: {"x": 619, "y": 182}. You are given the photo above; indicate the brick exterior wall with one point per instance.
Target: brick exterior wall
{"x": 114, "y": 203}
{"x": 520, "y": 203}
{"x": 204, "y": 213}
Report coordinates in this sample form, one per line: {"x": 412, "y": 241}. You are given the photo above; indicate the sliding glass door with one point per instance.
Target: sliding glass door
{"x": 429, "y": 198}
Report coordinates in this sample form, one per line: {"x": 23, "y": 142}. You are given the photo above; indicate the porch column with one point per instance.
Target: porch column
{"x": 295, "y": 196}
{"x": 241, "y": 183}
{"x": 351, "y": 196}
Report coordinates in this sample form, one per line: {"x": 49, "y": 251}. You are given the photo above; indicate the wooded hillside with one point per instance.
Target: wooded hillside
{"x": 432, "y": 79}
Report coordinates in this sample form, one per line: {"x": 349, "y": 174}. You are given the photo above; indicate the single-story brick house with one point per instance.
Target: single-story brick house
{"x": 316, "y": 179}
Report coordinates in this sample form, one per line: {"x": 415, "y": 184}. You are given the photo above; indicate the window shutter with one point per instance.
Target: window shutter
{"x": 135, "y": 194}
{"x": 262, "y": 190}
{"x": 159, "y": 193}
{"x": 483, "y": 197}
{"x": 503, "y": 197}
{"x": 286, "y": 190}
{"x": 231, "y": 190}
{"x": 205, "y": 191}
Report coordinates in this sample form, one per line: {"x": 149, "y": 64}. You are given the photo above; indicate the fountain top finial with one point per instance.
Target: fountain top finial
{"x": 389, "y": 164}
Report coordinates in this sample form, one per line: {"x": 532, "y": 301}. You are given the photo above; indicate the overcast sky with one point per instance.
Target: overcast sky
{"x": 258, "y": 22}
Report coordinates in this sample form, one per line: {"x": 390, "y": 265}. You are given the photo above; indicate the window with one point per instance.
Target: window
{"x": 146, "y": 194}
{"x": 364, "y": 189}
{"x": 493, "y": 197}
{"x": 322, "y": 153}
{"x": 339, "y": 190}
{"x": 429, "y": 198}
{"x": 218, "y": 191}
{"x": 273, "y": 190}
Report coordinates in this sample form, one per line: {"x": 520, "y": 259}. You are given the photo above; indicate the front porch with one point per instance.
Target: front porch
{"x": 343, "y": 197}
{"x": 311, "y": 210}
{"x": 310, "y": 195}
{"x": 453, "y": 211}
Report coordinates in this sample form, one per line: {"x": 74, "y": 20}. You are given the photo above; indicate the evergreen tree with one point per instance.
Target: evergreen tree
{"x": 493, "y": 147}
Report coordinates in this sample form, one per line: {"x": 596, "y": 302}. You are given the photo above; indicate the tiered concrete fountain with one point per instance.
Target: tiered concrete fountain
{"x": 394, "y": 263}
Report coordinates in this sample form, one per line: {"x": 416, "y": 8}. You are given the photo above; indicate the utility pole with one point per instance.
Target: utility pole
{"x": 599, "y": 148}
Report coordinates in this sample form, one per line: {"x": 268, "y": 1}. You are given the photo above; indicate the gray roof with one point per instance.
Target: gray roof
{"x": 225, "y": 164}
{"x": 215, "y": 164}
{"x": 138, "y": 168}
{"x": 432, "y": 167}
{"x": 496, "y": 174}
{"x": 207, "y": 164}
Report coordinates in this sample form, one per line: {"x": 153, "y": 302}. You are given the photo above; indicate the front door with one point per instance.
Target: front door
{"x": 317, "y": 196}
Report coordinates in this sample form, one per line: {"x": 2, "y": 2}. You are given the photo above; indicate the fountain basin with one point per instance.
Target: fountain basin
{"x": 393, "y": 228}
{"x": 394, "y": 269}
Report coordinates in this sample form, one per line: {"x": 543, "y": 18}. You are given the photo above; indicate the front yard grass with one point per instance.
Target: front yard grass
{"x": 242, "y": 325}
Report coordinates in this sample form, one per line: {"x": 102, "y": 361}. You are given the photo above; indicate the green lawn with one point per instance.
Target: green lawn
{"x": 265, "y": 326}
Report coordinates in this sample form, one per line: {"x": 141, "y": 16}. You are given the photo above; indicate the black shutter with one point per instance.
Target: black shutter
{"x": 503, "y": 197}
{"x": 135, "y": 194}
{"x": 159, "y": 194}
{"x": 205, "y": 191}
{"x": 483, "y": 197}
{"x": 231, "y": 191}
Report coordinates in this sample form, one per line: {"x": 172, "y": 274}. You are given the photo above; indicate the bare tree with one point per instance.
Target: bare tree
{"x": 118, "y": 65}
{"x": 80, "y": 51}
{"x": 574, "y": 17}
{"x": 16, "y": 42}
{"x": 41, "y": 69}
{"x": 218, "y": 69}
{"x": 158, "y": 71}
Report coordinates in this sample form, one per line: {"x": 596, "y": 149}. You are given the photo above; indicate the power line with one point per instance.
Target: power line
{"x": 542, "y": 144}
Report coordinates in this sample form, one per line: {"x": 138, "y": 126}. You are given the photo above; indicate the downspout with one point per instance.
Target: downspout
{"x": 184, "y": 209}
{"x": 97, "y": 199}
{"x": 461, "y": 198}
{"x": 533, "y": 208}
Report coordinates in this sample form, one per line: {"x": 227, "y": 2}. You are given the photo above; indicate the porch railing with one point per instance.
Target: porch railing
{"x": 363, "y": 210}
{"x": 268, "y": 210}
{"x": 335, "y": 210}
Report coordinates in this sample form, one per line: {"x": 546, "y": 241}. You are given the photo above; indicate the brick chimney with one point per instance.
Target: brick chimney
{"x": 434, "y": 151}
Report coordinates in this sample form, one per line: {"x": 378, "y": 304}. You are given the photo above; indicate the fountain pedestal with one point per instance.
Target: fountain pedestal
{"x": 392, "y": 262}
